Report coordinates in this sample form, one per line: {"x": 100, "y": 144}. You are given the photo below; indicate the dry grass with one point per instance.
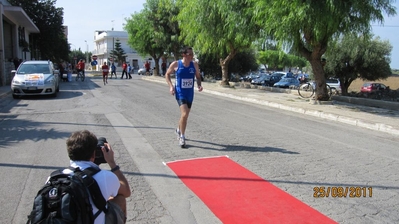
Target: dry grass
{"x": 392, "y": 82}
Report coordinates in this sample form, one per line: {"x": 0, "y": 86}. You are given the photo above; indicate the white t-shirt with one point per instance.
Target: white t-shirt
{"x": 106, "y": 180}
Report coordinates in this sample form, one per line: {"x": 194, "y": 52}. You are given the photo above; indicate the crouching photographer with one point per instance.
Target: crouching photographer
{"x": 84, "y": 151}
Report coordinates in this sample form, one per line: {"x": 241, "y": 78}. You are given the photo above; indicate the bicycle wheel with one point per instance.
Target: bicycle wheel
{"x": 82, "y": 77}
{"x": 306, "y": 90}
{"x": 329, "y": 92}
{"x": 77, "y": 77}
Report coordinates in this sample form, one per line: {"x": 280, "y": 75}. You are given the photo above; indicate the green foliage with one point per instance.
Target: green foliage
{"x": 118, "y": 53}
{"x": 221, "y": 28}
{"x": 276, "y": 60}
{"x": 51, "y": 41}
{"x": 243, "y": 62}
{"x": 308, "y": 26}
{"x": 78, "y": 54}
{"x": 366, "y": 58}
{"x": 155, "y": 31}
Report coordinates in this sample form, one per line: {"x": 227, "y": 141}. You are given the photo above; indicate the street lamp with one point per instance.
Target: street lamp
{"x": 87, "y": 52}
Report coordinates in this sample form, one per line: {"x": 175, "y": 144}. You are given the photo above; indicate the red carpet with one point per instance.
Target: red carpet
{"x": 236, "y": 195}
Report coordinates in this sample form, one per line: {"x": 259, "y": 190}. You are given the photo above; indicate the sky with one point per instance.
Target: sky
{"x": 84, "y": 17}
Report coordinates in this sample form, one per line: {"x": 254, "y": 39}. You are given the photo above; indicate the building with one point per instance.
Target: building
{"x": 15, "y": 30}
{"x": 104, "y": 43}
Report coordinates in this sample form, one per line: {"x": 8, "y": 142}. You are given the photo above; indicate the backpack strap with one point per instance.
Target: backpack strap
{"x": 86, "y": 176}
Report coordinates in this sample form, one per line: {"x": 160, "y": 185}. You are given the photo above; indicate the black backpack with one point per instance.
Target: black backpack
{"x": 65, "y": 198}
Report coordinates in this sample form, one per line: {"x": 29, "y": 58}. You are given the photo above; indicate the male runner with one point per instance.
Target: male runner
{"x": 186, "y": 70}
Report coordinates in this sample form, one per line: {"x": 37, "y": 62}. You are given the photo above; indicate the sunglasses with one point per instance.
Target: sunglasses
{"x": 188, "y": 54}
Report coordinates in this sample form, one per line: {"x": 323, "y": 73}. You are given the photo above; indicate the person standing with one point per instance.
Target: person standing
{"x": 113, "y": 70}
{"x": 186, "y": 71}
{"x": 105, "y": 69}
{"x": 124, "y": 70}
{"x": 163, "y": 67}
{"x": 147, "y": 67}
{"x": 129, "y": 70}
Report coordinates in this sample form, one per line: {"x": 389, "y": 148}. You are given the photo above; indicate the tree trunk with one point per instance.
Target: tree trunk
{"x": 224, "y": 64}
{"x": 318, "y": 71}
{"x": 225, "y": 72}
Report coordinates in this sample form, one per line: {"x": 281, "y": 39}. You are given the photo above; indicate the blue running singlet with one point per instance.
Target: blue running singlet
{"x": 184, "y": 88}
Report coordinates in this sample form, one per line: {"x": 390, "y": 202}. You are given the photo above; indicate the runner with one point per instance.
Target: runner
{"x": 105, "y": 69}
{"x": 186, "y": 71}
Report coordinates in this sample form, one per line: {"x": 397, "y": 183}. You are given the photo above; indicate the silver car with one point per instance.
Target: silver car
{"x": 35, "y": 78}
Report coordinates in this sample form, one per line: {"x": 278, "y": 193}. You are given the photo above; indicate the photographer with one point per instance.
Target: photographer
{"x": 81, "y": 146}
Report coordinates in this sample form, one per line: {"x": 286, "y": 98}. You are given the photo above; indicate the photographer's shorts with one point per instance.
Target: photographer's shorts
{"x": 115, "y": 214}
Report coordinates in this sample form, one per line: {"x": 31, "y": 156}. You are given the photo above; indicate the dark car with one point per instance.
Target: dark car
{"x": 271, "y": 79}
{"x": 260, "y": 80}
{"x": 287, "y": 83}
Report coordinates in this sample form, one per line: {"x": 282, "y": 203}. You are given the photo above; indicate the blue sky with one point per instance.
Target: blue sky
{"x": 84, "y": 17}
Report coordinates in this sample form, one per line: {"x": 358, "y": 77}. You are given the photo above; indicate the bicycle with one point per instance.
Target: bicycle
{"x": 307, "y": 90}
{"x": 80, "y": 75}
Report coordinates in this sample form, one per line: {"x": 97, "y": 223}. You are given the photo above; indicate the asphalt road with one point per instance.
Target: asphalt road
{"x": 295, "y": 153}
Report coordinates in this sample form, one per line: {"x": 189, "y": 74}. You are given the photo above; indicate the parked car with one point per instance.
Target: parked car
{"x": 287, "y": 83}
{"x": 141, "y": 71}
{"x": 260, "y": 80}
{"x": 334, "y": 84}
{"x": 271, "y": 79}
{"x": 35, "y": 78}
{"x": 249, "y": 77}
{"x": 372, "y": 87}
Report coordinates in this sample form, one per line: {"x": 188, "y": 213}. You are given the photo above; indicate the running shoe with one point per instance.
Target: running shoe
{"x": 182, "y": 142}
{"x": 177, "y": 131}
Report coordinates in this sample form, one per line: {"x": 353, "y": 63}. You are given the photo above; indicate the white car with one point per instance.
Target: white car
{"x": 335, "y": 85}
{"x": 141, "y": 71}
{"x": 35, "y": 78}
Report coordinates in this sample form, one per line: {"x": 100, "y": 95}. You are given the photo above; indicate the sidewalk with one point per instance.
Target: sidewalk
{"x": 379, "y": 119}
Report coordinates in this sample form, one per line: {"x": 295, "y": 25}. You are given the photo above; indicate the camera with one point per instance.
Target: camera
{"x": 99, "y": 153}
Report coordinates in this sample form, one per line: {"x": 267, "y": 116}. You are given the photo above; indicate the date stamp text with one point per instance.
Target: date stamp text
{"x": 342, "y": 192}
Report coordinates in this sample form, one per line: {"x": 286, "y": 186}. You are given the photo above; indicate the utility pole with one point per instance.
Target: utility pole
{"x": 87, "y": 52}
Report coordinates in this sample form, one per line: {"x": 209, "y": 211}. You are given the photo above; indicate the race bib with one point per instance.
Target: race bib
{"x": 187, "y": 83}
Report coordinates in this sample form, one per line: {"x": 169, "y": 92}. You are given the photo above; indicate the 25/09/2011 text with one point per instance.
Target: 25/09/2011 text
{"x": 342, "y": 192}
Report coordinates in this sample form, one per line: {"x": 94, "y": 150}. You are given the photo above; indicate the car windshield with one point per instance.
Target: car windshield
{"x": 33, "y": 68}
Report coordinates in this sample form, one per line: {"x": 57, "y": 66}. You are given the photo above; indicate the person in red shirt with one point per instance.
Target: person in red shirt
{"x": 147, "y": 66}
{"x": 124, "y": 70}
{"x": 81, "y": 66}
{"x": 105, "y": 69}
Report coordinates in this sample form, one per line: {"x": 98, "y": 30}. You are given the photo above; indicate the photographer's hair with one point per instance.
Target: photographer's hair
{"x": 81, "y": 145}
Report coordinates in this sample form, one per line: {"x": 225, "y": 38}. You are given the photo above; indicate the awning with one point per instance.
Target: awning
{"x": 18, "y": 16}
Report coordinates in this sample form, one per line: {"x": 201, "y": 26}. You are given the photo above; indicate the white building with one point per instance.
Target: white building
{"x": 104, "y": 43}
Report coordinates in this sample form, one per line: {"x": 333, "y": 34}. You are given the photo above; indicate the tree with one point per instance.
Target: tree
{"x": 271, "y": 59}
{"x": 155, "y": 31}
{"x": 219, "y": 28}
{"x": 278, "y": 59}
{"x": 51, "y": 40}
{"x": 366, "y": 58}
{"x": 118, "y": 53}
{"x": 309, "y": 25}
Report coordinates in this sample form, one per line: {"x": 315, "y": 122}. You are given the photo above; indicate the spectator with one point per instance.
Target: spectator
{"x": 113, "y": 70}
{"x": 124, "y": 70}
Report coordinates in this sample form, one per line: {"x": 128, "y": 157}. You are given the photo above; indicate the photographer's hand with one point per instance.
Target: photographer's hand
{"x": 108, "y": 155}
{"x": 124, "y": 188}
